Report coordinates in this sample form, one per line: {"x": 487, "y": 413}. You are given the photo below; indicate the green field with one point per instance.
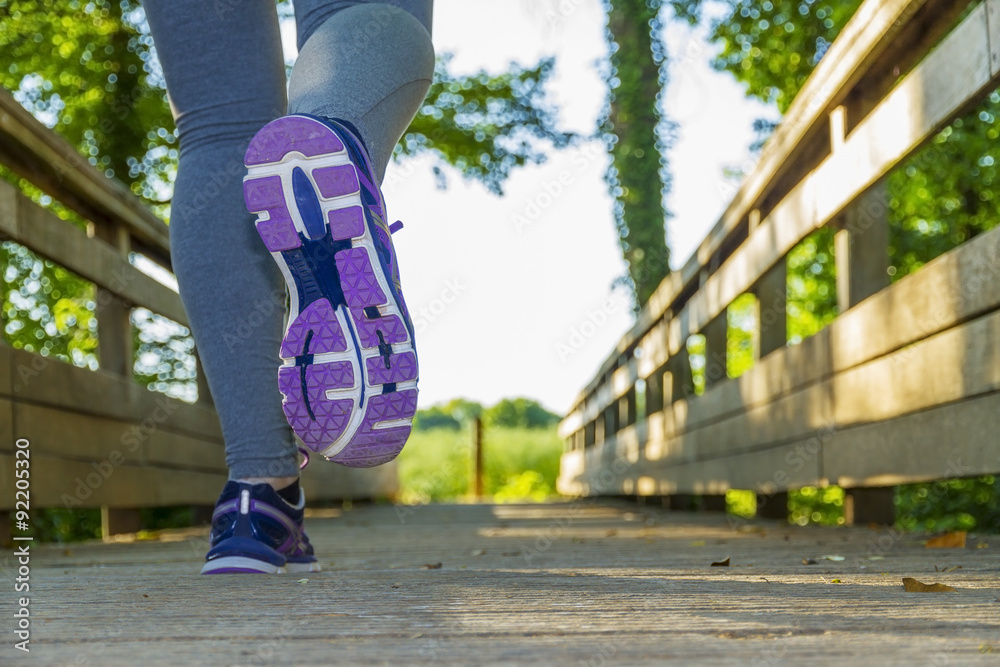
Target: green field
{"x": 519, "y": 464}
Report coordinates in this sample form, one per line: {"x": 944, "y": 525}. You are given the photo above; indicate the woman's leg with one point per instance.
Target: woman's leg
{"x": 226, "y": 79}
{"x": 369, "y": 63}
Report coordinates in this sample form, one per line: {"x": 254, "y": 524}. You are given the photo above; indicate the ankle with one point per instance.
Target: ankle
{"x": 276, "y": 483}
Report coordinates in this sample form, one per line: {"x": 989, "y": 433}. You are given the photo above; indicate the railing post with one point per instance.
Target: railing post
{"x": 773, "y": 505}
{"x": 654, "y": 392}
{"x": 861, "y": 247}
{"x": 772, "y": 298}
{"x": 715, "y": 333}
{"x": 681, "y": 380}
{"x": 870, "y": 505}
{"x": 477, "y": 458}
{"x": 115, "y": 354}
{"x": 114, "y": 327}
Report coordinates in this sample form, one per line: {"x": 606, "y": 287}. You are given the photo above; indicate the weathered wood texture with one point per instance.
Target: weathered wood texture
{"x": 567, "y": 584}
{"x": 905, "y": 384}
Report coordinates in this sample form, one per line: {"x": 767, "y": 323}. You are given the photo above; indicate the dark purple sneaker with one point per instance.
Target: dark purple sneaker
{"x": 255, "y": 530}
{"x": 349, "y": 371}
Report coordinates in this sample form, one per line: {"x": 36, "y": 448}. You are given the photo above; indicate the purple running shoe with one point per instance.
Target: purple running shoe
{"x": 256, "y": 530}
{"x": 349, "y": 365}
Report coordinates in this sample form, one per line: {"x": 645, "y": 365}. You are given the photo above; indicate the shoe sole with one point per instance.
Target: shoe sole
{"x": 349, "y": 367}
{"x": 240, "y": 565}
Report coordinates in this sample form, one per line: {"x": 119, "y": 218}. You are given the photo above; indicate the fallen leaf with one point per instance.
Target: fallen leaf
{"x": 836, "y": 581}
{"x": 303, "y": 581}
{"x": 836, "y": 558}
{"x": 913, "y": 586}
{"x": 697, "y": 543}
{"x": 808, "y": 561}
{"x": 953, "y": 540}
{"x": 432, "y": 566}
{"x": 983, "y": 545}
{"x": 145, "y": 595}
{"x": 722, "y": 563}
{"x": 478, "y": 552}
{"x": 611, "y": 533}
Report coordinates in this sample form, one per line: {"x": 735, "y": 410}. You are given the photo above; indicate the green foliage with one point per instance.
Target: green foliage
{"x": 697, "y": 361}
{"x": 519, "y": 413}
{"x": 812, "y": 285}
{"x": 951, "y": 504}
{"x": 946, "y": 193}
{"x": 741, "y": 342}
{"x": 741, "y": 503}
{"x": 519, "y": 464}
{"x": 87, "y": 70}
{"x": 773, "y": 46}
{"x": 823, "y": 506}
{"x": 47, "y": 309}
{"x": 637, "y": 141}
{"x": 451, "y": 415}
{"x": 485, "y": 125}
{"x": 57, "y": 524}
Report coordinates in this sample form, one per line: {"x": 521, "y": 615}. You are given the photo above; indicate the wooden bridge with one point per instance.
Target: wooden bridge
{"x": 903, "y": 386}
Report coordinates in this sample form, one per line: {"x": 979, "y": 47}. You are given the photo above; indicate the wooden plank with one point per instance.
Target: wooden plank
{"x": 60, "y": 482}
{"x": 91, "y": 258}
{"x": 956, "y": 364}
{"x": 53, "y": 383}
{"x": 82, "y": 437}
{"x": 559, "y": 584}
{"x": 953, "y": 440}
{"x": 329, "y": 481}
{"x": 55, "y": 166}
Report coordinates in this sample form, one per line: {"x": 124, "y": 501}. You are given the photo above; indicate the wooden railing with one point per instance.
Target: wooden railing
{"x": 903, "y": 386}
{"x": 98, "y": 438}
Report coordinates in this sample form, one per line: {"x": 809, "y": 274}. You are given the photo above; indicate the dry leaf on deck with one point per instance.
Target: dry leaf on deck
{"x": 953, "y": 540}
{"x": 913, "y": 586}
{"x": 432, "y": 566}
{"x": 808, "y": 561}
{"x": 722, "y": 563}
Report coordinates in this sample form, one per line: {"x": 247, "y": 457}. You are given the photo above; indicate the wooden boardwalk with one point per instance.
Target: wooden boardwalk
{"x": 581, "y": 583}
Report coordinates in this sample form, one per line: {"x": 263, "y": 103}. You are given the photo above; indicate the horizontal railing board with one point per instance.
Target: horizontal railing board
{"x": 43, "y": 232}
{"x": 960, "y": 439}
{"x": 54, "y": 165}
{"x": 74, "y": 436}
{"x": 871, "y": 31}
{"x": 59, "y": 482}
{"x": 956, "y": 364}
{"x": 6, "y": 425}
{"x": 54, "y": 383}
{"x": 957, "y": 439}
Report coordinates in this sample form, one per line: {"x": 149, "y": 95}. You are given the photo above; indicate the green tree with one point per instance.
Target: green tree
{"x": 519, "y": 412}
{"x": 637, "y": 139}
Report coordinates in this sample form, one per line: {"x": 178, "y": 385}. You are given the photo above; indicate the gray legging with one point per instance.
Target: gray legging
{"x": 364, "y": 62}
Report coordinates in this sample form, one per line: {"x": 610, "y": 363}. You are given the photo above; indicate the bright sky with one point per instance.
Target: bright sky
{"x": 507, "y": 309}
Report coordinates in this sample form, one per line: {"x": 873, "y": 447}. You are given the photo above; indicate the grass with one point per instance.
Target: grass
{"x": 519, "y": 464}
